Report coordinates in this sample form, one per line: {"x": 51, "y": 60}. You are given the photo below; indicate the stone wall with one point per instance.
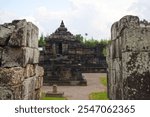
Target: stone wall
{"x": 20, "y": 75}
{"x": 129, "y": 59}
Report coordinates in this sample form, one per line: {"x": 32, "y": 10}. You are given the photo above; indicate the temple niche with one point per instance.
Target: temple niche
{"x": 65, "y": 58}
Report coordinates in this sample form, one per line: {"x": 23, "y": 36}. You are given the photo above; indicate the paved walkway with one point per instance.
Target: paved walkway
{"x": 81, "y": 92}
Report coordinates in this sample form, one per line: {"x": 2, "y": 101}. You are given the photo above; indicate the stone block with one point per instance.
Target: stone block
{"x": 11, "y": 57}
{"x": 29, "y": 88}
{"x": 39, "y": 71}
{"x": 38, "y": 82}
{"x": 114, "y": 30}
{"x": 128, "y": 21}
{"x": 19, "y": 23}
{"x": 113, "y": 50}
{"x": 18, "y": 38}
{"x": 137, "y": 39}
{"x": 29, "y": 71}
{"x": 5, "y": 93}
{"x": 36, "y": 56}
{"x": 1, "y": 52}
{"x": 25, "y": 34}
{"x": 28, "y": 56}
{"x": 11, "y": 76}
{"x": 17, "y": 92}
{"x": 32, "y": 35}
{"x": 136, "y": 75}
{"x": 11, "y": 92}
{"x": 20, "y": 57}
{"x": 136, "y": 61}
{"x": 19, "y": 34}
{"x": 117, "y": 48}
{"x": 5, "y": 33}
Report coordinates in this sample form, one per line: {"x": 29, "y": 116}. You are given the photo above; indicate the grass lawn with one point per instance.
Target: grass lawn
{"x": 103, "y": 80}
{"x": 43, "y": 97}
{"x": 98, "y": 96}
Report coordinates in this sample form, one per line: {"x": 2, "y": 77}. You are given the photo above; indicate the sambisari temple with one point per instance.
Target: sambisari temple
{"x": 65, "y": 58}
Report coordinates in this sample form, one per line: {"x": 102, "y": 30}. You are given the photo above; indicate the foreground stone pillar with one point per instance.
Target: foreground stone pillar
{"x": 20, "y": 75}
{"x": 129, "y": 59}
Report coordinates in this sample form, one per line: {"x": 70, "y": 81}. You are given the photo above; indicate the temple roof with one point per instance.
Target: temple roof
{"x": 62, "y": 27}
{"x": 62, "y": 24}
{"x": 62, "y": 33}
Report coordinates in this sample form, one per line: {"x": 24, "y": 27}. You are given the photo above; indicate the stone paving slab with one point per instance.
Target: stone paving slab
{"x": 81, "y": 92}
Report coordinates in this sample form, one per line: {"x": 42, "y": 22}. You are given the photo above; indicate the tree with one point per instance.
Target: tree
{"x": 41, "y": 41}
{"x": 91, "y": 42}
{"x": 102, "y": 47}
{"x": 79, "y": 37}
{"x": 101, "y": 44}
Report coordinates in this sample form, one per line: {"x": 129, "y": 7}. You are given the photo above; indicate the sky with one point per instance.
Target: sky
{"x": 94, "y": 17}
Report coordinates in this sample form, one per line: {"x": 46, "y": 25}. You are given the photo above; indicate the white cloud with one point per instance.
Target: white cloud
{"x": 6, "y": 16}
{"x": 46, "y": 14}
{"x": 94, "y": 17}
{"x": 142, "y": 8}
{"x": 99, "y": 15}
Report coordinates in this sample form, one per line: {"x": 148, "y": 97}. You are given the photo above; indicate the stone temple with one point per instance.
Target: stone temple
{"x": 64, "y": 59}
{"x": 61, "y": 68}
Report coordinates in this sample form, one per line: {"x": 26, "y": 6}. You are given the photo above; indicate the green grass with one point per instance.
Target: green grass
{"x": 98, "y": 96}
{"x": 43, "y": 97}
{"x": 53, "y": 98}
{"x": 103, "y": 80}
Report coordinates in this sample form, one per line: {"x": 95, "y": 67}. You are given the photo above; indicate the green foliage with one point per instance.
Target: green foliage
{"x": 98, "y": 96}
{"x": 79, "y": 37}
{"x": 93, "y": 43}
{"x": 41, "y": 41}
{"x": 104, "y": 51}
{"x": 103, "y": 80}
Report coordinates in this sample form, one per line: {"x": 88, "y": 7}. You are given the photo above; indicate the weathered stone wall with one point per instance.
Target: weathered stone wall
{"x": 129, "y": 59}
{"x": 20, "y": 75}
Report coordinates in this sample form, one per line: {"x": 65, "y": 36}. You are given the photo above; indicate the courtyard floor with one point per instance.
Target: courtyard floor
{"x": 81, "y": 92}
